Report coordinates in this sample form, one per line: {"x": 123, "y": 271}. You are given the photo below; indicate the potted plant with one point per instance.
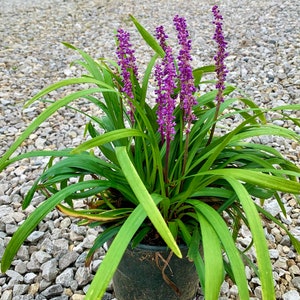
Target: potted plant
{"x": 162, "y": 174}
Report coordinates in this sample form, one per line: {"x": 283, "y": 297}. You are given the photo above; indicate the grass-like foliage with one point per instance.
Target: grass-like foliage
{"x": 163, "y": 173}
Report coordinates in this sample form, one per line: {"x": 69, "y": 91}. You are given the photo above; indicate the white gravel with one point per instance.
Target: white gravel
{"x": 264, "y": 43}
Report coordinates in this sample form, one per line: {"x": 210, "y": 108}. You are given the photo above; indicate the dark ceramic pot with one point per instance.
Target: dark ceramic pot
{"x": 144, "y": 274}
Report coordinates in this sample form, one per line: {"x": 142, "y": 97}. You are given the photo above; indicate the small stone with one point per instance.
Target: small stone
{"x": 285, "y": 241}
{"x": 256, "y": 280}
{"x": 44, "y": 284}
{"x": 11, "y": 228}
{"x": 68, "y": 292}
{"x": 88, "y": 241}
{"x": 67, "y": 259}
{"x": 33, "y": 265}
{"x": 62, "y": 297}
{"x": 33, "y": 288}
{"x": 77, "y": 297}
{"x": 65, "y": 278}
{"x": 274, "y": 253}
{"x": 47, "y": 245}
{"x": 74, "y": 285}
{"x": 53, "y": 290}
{"x": 83, "y": 276}
{"x": 291, "y": 295}
{"x": 81, "y": 259}
{"x": 78, "y": 229}
{"x": 285, "y": 249}
{"x": 35, "y": 236}
{"x": 296, "y": 282}
{"x": 65, "y": 223}
{"x": 281, "y": 263}
{"x": 272, "y": 207}
{"x": 95, "y": 264}
{"x": 107, "y": 296}
{"x": 258, "y": 292}
{"x": 75, "y": 237}
{"x": 20, "y": 289}
{"x": 40, "y": 143}
{"x": 224, "y": 288}
{"x": 14, "y": 275}
{"x": 233, "y": 291}
{"x": 6, "y": 210}
{"x": 295, "y": 270}
{"x": 7, "y": 295}
{"x": 42, "y": 256}
{"x": 29, "y": 277}
{"x": 61, "y": 244}
{"x": 49, "y": 270}
{"x": 21, "y": 267}
{"x": 23, "y": 253}
{"x": 18, "y": 216}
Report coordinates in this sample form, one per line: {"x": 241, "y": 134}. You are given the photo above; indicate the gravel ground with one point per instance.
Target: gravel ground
{"x": 264, "y": 59}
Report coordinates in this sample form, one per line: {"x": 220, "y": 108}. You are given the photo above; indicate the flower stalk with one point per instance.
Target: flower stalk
{"x": 186, "y": 79}
{"x": 165, "y": 75}
{"x": 127, "y": 63}
{"x": 219, "y": 59}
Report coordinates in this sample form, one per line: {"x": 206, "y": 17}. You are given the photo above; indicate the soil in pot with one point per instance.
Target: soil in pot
{"x": 153, "y": 273}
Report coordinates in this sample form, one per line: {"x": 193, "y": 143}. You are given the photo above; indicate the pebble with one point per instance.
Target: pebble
{"x": 263, "y": 62}
{"x": 291, "y": 295}
{"x": 49, "y": 269}
{"x": 65, "y": 278}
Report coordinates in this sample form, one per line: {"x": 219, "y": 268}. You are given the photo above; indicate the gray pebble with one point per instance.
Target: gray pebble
{"x": 42, "y": 256}
{"x": 53, "y": 290}
{"x": 29, "y": 278}
{"x": 291, "y": 295}
{"x": 274, "y": 253}
{"x": 20, "y": 289}
{"x": 296, "y": 282}
{"x": 67, "y": 259}
{"x": 65, "y": 278}
{"x": 7, "y": 295}
{"x": 49, "y": 270}
{"x": 83, "y": 276}
{"x": 35, "y": 236}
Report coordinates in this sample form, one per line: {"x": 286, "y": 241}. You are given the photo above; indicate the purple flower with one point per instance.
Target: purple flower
{"x": 162, "y": 37}
{"x": 186, "y": 77}
{"x": 219, "y": 58}
{"x": 165, "y": 74}
{"x": 126, "y": 61}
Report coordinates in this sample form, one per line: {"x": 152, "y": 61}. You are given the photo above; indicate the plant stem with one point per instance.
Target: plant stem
{"x": 215, "y": 122}
{"x": 166, "y": 169}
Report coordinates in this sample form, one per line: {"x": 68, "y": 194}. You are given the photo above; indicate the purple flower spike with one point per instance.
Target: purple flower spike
{"x": 165, "y": 74}
{"x": 219, "y": 58}
{"x": 186, "y": 77}
{"x": 162, "y": 37}
{"x": 127, "y": 63}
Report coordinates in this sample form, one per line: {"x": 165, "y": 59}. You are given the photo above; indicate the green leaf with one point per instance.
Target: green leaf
{"x": 194, "y": 251}
{"x": 145, "y": 199}
{"x": 260, "y": 179}
{"x": 261, "y": 247}
{"x": 115, "y": 252}
{"x": 220, "y": 227}
{"x": 214, "y": 270}
{"x": 107, "y": 138}
{"x": 149, "y": 39}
